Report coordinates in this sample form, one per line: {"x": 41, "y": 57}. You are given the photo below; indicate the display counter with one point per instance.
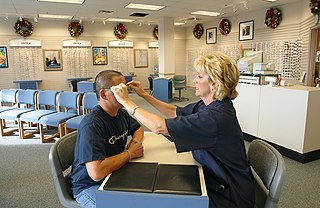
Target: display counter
{"x": 287, "y": 117}
{"x": 156, "y": 149}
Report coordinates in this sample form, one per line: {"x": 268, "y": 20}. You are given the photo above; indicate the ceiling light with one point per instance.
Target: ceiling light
{"x": 66, "y": 1}
{"x": 140, "y": 24}
{"x": 144, "y": 6}
{"x": 271, "y": 0}
{"x": 35, "y": 19}
{"x": 206, "y": 13}
{"x": 6, "y": 18}
{"x": 103, "y": 22}
{"x": 92, "y": 21}
{"x": 54, "y": 16}
{"x": 119, "y": 20}
{"x": 179, "y": 23}
{"x": 148, "y": 24}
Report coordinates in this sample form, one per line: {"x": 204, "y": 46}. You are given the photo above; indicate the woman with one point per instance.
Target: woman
{"x": 209, "y": 128}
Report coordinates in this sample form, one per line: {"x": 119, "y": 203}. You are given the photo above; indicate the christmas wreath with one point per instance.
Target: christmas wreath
{"x": 23, "y": 28}
{"x": 225, "y": 27}
{"x": 120, "y": 31}
{"x": 75, "y": 29}
{"x": 198, "y": 31}
{"x": 273, "y": 17}
{"x": 314, "y": 6}
{"x": 155, "y": 32}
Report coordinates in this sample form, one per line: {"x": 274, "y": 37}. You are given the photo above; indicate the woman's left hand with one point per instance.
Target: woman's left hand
{"x": 120, "y": 93}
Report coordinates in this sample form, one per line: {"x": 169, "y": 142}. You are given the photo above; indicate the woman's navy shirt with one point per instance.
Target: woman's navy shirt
{"x": 214, "y": 136}
{"x": 99, "y": 136}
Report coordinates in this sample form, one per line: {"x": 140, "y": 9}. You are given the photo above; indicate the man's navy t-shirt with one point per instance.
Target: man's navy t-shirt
{"x": 99, "y": 136}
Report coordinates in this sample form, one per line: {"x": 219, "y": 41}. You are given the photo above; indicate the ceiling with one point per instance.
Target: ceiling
{"x": 179, "y": 9}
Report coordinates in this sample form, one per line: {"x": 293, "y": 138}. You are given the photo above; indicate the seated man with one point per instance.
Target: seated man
{"x": 101, "y": 143}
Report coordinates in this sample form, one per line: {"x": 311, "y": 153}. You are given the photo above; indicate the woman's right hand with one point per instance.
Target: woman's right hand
{"x": 137, "y": 87}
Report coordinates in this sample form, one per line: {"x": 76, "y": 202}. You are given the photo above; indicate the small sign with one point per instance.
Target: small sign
{"x": 25, "y": 43}
{"x": 76, "y": 43}
{"x": 153, "y": 44}
{"x": 121, "y": 43}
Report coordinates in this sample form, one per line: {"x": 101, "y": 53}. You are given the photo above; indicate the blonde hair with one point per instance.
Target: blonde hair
{"x": 222, "y": 70}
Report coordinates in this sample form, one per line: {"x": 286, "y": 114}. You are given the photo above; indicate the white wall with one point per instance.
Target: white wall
{"x": 52, "y": 33}
{"x": 296, "y": 23}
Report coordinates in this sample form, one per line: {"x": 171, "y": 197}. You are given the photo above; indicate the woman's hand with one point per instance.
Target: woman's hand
{"x": 120, "y": 93}
{"x": 137, "y": 87}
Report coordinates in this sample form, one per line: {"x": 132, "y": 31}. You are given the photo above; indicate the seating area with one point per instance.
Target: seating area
{"x": 36, "y": 111}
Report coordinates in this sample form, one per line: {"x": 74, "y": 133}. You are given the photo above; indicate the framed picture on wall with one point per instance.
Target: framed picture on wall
{"x": 3, "y": 57}
{"x": 99, "y": 55}
{"x": 52, "y": 60}
{"x": 140, "y": 58}
{"x": 211, "y": 35}
{"x": 246, "y": 30}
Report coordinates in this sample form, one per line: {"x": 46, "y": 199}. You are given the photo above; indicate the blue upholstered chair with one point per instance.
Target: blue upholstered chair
{"x": 25, "y": 103}
{"x": 68, "y": 106}
{"x": 180, "y": 83}
{"x": 88, "y": 102}
{"x": 47, "y": 104}
{"x": 8, "y": 96}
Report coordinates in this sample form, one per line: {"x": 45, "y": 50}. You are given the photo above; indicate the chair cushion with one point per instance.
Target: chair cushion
{"x": 14, "y": 114}
{"x": 74, "y": 123}
{"x": 4, "y": 108}
{"x": 34, "y": 116}
{"x": 55, "y": 119}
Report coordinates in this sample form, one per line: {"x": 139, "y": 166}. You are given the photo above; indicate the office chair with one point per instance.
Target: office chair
{"x": 150, "y": 85}
{"x": 61, "y": 156}
{"x": 268, "y": 169}
{"x": 68, "y": 106}
{"x": 8, "y": 96}
{"x": 26, "y": 100}
{"x": 180, "y": 83}
{"x": 46, "y": 104}
{"x": 89, "y": 101}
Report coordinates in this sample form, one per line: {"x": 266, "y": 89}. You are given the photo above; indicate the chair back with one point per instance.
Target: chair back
{"x": 27, "y": 97}
{"x": 61, "y": 156}
{"x": 179, "y": 82}
{"x": 150, "y": 83}
{"x": 268, "y": 168}
{"x": 89, "y": 101}
{"x": 69, "y": 100}
{"x": 8, "y": 96}
{"x": 47, "y": 98}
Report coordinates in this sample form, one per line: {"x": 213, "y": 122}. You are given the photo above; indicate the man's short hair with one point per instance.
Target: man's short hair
{"x": 104, "y": 80}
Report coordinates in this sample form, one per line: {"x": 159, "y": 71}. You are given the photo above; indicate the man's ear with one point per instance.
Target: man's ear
{"x": 103, "y": 94}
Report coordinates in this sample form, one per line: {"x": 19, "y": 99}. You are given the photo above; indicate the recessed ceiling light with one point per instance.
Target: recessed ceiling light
{"x": 179, "y": 23}
{"x": 119, "y": 20}
{"x": 66, "y": 1}
{"x": 144, "y": 6}
{"x": 206, "y": 13}
{"x": 55, "y": 16}
{"x": 271, "y": 0}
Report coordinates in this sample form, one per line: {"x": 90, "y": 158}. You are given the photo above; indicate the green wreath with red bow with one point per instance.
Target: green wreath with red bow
{"x": 23, "y": 28}
{"x": 120, "y": 31}
{"x": 225, "y": 27}
{"x": 314, "y": 6}
{"x": 273, "y": 17}
{"x": 198, "y": 31}
{"x": 75, "y": 29}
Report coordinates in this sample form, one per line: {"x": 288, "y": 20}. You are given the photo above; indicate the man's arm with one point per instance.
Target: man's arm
{"x": 99, "y": 169}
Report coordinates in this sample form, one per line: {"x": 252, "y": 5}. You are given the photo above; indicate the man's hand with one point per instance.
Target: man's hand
{"x": 135, "y": 149}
